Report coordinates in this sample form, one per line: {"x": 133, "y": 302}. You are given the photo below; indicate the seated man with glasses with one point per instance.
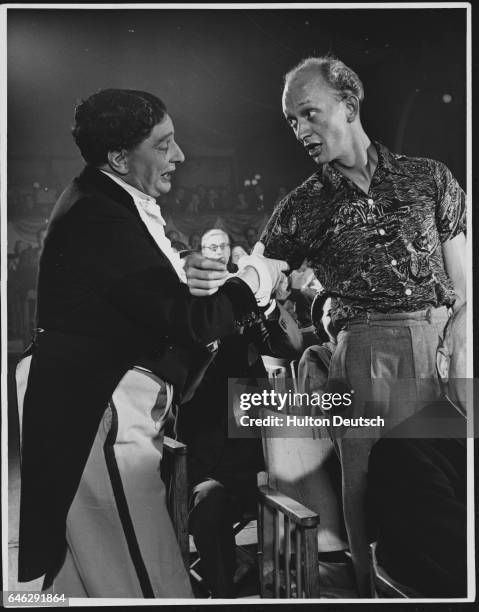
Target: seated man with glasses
{"x": 215, "y": 244}
{"x": 221, "y": 470}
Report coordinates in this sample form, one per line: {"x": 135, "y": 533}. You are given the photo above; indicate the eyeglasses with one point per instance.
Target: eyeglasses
{"x": 216, "y": 247}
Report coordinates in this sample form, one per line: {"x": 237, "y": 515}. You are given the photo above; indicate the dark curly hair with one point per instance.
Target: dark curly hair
{"x": 115, "y": 119}
{"x": 317, "y": 315}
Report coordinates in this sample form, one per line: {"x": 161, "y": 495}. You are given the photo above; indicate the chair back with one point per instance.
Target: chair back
{"x": 303, "y": 468}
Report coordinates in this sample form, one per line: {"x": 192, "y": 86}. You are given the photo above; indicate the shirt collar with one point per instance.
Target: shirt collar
{"x": 391, "y": 162}
{"x": 147, "y": 202}
{"x": 387, "y": 161}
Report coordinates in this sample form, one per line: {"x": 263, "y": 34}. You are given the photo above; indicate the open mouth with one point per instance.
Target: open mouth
{"x": 167, "y": 175}
{"x": 314, "y": 148}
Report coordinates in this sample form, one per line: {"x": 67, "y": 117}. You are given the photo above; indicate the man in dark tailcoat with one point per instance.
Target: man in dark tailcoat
{"x": 122, "y": 332}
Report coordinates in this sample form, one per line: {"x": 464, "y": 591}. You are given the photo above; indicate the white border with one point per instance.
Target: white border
{"x": 3, "y": 291}
{"x": 3, "y": 285}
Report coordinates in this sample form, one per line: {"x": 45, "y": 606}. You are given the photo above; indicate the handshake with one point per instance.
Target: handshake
{"x": 262, "y": 274}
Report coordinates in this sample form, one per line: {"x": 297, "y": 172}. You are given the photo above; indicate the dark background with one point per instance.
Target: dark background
{"x": 220, "y": 73}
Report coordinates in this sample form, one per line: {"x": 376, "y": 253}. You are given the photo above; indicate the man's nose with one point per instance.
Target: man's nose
{"x": 302, "y": 129}
{"x": 178, "y": 156}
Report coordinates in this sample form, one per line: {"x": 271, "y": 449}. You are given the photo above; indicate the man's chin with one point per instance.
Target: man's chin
{"x": 319, "y": 159}
{"x": 163, "y": 189}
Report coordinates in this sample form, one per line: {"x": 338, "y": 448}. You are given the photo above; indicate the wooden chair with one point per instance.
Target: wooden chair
{"x": 295, "y": 573}
{"x": 174, "y": 475}
{"x": 294, "y": 374}
{"x": 287, "y": 530}
{"x": 278, "y": 371}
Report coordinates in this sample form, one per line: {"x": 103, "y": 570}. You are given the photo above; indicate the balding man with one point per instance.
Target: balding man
{"x": 417, "y": 486}
{"x": 384, "y": 235}
{"x": 215, "y": 244}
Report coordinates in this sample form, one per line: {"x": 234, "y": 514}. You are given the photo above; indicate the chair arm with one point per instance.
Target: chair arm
{"x": 173, "y": 446}
{"x": 298, "y": 513}
{"x": 173, "y": 471}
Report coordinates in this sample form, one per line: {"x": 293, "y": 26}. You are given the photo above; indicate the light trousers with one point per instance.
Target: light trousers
{"x": 389, "y": 362}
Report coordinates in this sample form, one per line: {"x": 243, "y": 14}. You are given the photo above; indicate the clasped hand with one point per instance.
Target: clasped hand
{"x": 205, "y": 276}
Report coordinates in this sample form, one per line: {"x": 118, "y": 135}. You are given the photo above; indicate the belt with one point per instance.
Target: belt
{"x": 429, "y": 314}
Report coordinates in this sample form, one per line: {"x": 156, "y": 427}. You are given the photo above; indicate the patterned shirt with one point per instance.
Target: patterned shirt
{"x": 374, "y": 252}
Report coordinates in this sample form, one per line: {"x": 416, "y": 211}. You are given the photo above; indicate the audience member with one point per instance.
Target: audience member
{"x": 195, "y": 242}
{"x": 215, "y": 244}
{"x": 177, "y": 201}
{"x": 212, "y": 200}
{"x": 313, "y": 369}
{"x": 257, "y": 198}
{"x": 178, "y": 246}
{"x": 194, "y": 204}
{"x": 251, "y": 235}
{"x": 225, "y": 198}
{"x": 241, "y": 203}
{"x": 222, "y": 471}
{"x": 237, "y": 251}
{"x": 203, "y": 197}
{"x": 173, "y": 235}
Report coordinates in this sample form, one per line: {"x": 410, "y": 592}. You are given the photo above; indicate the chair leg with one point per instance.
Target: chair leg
{"x": 265, "y": 548}
{"x": 311, "y": 584}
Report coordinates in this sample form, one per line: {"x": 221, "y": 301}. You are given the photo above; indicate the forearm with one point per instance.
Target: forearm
{"x": 454, "y": 253}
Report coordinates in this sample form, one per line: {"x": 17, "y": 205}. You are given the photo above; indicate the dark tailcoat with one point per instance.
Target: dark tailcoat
{"x": 107, "y": 298}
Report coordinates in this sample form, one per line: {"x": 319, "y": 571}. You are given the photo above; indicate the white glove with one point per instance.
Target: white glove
{"x": 269, "y": 272}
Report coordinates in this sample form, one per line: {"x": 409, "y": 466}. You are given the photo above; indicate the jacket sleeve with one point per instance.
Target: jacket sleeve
{"x": 113, "y": 256}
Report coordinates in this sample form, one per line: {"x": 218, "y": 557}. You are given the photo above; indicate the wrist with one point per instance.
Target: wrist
{"x": 250, "y": 276}
{"x": 264, "y": 287}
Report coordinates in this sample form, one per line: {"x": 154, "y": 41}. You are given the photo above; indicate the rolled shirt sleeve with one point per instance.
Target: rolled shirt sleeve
{"x": 281, "y": 236}
{"x": 451, "y": 204}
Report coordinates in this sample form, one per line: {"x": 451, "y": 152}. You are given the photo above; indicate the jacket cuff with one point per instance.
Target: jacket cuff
{"x": 243, "y": 302}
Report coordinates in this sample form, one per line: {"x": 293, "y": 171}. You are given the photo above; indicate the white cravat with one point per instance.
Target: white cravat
{"x": 150, "y": 214}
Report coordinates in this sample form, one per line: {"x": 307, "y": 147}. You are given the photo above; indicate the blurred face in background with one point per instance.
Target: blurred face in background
{"x": 215, "y": 244}
{"x": 326, "y": 321}
{"x": 236, "y": 253}
{"x": 195, "y": 242}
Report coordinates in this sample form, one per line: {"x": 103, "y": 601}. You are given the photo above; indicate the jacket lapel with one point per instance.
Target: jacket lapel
{"x": 93, "y": 181}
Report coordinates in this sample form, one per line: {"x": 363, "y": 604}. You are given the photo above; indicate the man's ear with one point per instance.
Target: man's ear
{"x": 442, "y": 362}
{"x": 352, "y": 107}
{"x": 118, "y": 161}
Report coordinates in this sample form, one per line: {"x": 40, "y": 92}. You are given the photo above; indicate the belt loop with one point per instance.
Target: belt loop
{"x": 429, "y": 314}
{"x": 368, "y": 318}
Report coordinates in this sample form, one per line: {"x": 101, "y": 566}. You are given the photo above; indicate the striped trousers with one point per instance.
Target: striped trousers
{"x": 121, "y": 541}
